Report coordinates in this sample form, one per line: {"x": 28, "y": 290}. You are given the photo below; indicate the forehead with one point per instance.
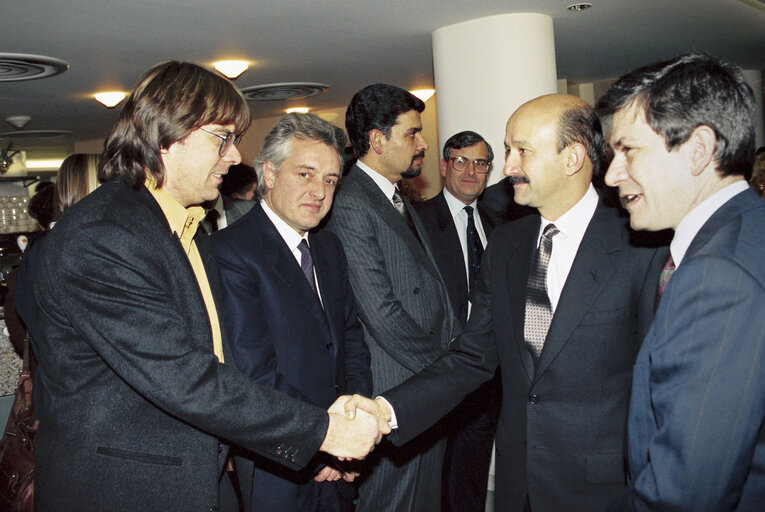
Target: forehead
{"x": 477, "y": 150}
{"x": 629, "y": 123}
{"x": 531, "y": 124}
{"x": 408, "y": 120}
{"x": 313, "y": 154}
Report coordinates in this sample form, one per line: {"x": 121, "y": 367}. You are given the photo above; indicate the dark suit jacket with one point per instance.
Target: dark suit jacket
{"x": 697, "y": 415}
{"x": 132, "y": 401}
{"x": 561, "y": 433}
{"x": 236, "y": 208}
{"x": 281, "y": 335}
{"x": 407, "y": 320}
{"x": 439, "y": 223}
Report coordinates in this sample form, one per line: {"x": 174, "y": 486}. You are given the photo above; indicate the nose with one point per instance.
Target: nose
{"x": 511, "y": 164}
{"x": 318, "y": 189}
{"x": 423, "y": 144}
{"x": 617, "y": 171}
{"x": 233, "y": 155}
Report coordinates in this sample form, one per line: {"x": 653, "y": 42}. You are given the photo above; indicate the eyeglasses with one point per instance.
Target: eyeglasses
{"x": 461, "y": 164}
{"x": 228, "y": 140}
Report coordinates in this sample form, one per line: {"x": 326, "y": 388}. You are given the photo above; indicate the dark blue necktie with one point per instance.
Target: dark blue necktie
{"x": 474, "y": 252}
{"x": 306, "y": 263}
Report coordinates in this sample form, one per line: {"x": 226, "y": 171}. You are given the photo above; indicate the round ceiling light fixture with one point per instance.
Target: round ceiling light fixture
{"x": 579, "y": 7}
{"x": 283, "y": 91}
{"x": 22, "y": 66}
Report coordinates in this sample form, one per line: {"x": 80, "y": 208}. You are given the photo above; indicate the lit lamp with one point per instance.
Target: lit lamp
{"x": 231, "y": 68}
{"x": 297, "y": 110}
{"x": 111, "y": 98}
{"x": 423, "y": 94}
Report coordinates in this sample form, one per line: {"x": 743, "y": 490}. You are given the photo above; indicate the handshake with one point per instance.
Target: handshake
{"x": 356, "y": 425}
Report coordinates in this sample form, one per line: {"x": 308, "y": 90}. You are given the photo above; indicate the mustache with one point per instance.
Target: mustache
{"x": 421, "y": 154}
{"x": 517, "y": 179}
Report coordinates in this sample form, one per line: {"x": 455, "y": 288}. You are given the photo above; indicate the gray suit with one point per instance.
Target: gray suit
{"x": 407, "y": 320}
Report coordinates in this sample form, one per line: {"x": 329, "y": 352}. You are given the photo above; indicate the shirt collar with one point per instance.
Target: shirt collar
{"x": 183, "y": 221}
{"x": 455, "y": 205}
{"x": 291, "y": 237}
{"x": 692, "y": 223}
{"x": 574, "y": 222}
{"x": 382, "y": 182}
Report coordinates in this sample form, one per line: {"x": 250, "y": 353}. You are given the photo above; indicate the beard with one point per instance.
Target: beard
{"x": 411, "y": 172}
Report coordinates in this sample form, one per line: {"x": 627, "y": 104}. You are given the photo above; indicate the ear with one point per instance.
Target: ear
{"x": 236, "y": 195}
{"x": 577, "y": 156}
{"x": 269, "y": 174}
{"x": 701, "y": 148}
{"x": 376, "y": 140}
{"x": 444, "y": 166}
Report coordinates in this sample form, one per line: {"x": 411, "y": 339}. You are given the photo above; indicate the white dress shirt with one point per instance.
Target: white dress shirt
{"x": 572, "y": 226}
{"x": 291, "y": 237}
{"x": 696, "y": 218}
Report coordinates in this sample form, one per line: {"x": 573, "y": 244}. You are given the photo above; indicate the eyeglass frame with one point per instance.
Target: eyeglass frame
{"x": 227, "y": 140}
{"x": 478, "y": 170}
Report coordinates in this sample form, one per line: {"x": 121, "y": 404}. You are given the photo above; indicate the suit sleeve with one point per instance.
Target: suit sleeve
{"x": 470, "y": 361}
{"x": 411, "y": 345}
{"x": 111, "y": 288}
{"x": 707, "y": 383}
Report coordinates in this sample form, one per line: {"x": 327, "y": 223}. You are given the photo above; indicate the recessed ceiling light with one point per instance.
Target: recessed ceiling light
{"x": 423, "y": 94}
{"x": 579, "y": 7}
{"x": 110, "y": 98}
{"x": 232, "y": 68}
{"x": 297, "y": 110}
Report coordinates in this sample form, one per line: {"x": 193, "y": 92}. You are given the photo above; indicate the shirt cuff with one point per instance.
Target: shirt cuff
{"x": 393, "y": 421}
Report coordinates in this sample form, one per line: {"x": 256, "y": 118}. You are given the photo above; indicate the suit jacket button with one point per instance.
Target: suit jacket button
{"x": 416, "y": 291}
{"x": 337, "y": 388}
{"x": 330, "y": 345}
{"x": 533, "y": 399}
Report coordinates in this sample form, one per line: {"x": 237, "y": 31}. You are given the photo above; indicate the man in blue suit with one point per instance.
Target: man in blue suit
{"x": 683, "y": 138}
{"x": 288, "y": 306}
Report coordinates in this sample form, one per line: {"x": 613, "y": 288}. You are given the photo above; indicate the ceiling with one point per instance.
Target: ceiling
{"x": 347, "y": 45}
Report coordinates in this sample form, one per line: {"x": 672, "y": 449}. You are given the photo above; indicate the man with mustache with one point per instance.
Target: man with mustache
{"x": 402, "y": 301}
{"x": 562, "y": 304}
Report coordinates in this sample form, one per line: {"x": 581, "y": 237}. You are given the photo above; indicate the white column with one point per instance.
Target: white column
{"x": 754, "y": 78}
{"x": 485, "y": 69}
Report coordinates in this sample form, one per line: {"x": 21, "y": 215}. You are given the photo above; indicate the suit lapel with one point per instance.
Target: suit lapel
{"x": 518, "y": 268}
{"x": 276, "y": 255}
{"x": 388, "y": 213}
{"x": 327, "y": 285}
{"x": 590, "y": 271}
{"x": 733, "y": 208}
{"x": 451, "y": 254}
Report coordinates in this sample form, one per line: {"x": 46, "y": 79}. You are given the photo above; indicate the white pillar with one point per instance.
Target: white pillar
{"x": 754, "y": 78}
{"x": 485, "y": 69}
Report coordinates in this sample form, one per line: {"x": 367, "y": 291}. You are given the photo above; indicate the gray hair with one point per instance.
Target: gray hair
{"x": 276, "y": 145}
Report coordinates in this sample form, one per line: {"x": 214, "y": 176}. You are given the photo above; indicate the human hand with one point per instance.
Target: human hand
{"x": 328, "y": 474}
{"x": 377, "y": 407}
{"x": 351, "y": 438}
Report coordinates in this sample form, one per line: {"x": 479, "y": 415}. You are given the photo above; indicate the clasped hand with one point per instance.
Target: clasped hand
{"x": 356, "y": 425}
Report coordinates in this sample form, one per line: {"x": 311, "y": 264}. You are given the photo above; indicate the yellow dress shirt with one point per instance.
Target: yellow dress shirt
{"x": 184, "y": 222}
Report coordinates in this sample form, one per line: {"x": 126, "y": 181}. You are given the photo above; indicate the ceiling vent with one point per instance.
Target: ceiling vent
{"x": 20, "y": 66}
{"x": 283, "y": 91}
{"x": 35, "y": 135}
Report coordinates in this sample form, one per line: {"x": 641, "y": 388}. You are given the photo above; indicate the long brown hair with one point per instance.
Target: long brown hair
{"x": 76, "y": 178}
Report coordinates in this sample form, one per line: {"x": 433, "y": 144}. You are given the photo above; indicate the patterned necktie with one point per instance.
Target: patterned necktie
{"x": 474, "y": 252}
{"x": 666, "y": 272}
{"x": 398, "y": 202}
{"x": 538, "y": 309}
{"x": 306, "y": 263}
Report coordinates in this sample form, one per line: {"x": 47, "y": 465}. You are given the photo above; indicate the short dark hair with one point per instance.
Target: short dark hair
{"x": 464, "y": 139}
{"x": 42, "y": 206}
{"x": 683, "y": 93}
{"x": 580, "y": 124}
{"x": 169, "y": 101}
{"x": 292, "y": 126}
{"x": 377, "y": 106}
{"x": 238, "y": 179}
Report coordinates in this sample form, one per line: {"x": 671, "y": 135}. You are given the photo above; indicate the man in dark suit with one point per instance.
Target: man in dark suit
{"x": 562, "y": 304}
{"x": 138, "y": 396}
{"x": 683, "y": 138}
{"x": 458, "y": 231}
{"x": 401, "y": 298}
{"x": 289, "y": 330}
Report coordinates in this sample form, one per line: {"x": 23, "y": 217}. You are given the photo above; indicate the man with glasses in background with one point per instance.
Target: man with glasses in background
{"x": 459, "y": 231}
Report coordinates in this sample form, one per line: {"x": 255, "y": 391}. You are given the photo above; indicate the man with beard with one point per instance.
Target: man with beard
{"x": 401, "y": 298}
